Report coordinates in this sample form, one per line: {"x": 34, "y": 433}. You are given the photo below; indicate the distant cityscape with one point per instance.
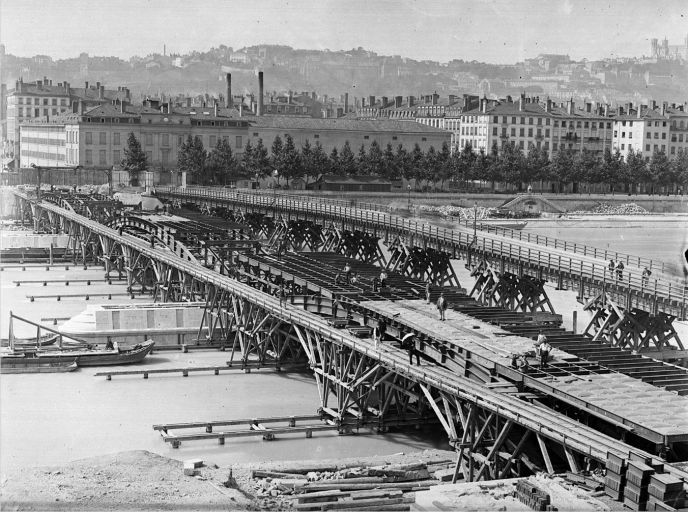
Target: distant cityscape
{"x": 551, "y": 103}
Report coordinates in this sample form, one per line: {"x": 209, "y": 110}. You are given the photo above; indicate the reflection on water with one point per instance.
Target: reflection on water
{"x": 664, "y": 242}
{"x": 54, "y": 418}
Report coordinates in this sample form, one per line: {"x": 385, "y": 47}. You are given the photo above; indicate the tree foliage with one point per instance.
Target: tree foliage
{"x": 135, "y": 161}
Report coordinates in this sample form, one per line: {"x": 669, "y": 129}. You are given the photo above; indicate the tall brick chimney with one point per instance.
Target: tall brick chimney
{"x": 346, "y": 103}
{"x": 229, "y": 100}
{"x": 260, "y": 93}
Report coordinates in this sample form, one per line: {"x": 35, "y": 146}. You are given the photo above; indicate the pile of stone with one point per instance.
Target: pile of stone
{"x": 458, "y": 211}
{"x": 615, "y": 209}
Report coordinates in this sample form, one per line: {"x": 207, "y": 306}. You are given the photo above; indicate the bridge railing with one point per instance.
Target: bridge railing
{"x": 556, "y": 243}
{"x": 578, "y": 248}
{"x": 353, "y": 203}
{"x": 672, "y": 291}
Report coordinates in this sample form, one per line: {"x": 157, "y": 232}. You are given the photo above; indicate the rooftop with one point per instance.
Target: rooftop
{"x": 342, "y": 123}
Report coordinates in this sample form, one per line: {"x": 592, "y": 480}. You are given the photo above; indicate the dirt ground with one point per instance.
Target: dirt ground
{"x": 141, "y": 480}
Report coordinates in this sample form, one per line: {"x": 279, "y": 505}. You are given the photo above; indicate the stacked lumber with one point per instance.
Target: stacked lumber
{"x": 531, "y": 495}
{"x": 615, "y": 478}
{"x": 387, "y": 487}
{"x": 640, "y": 482}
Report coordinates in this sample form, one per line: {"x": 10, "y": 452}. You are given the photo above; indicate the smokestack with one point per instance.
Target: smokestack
{"x": 86, "y": 85}
{"x": 101, "y": 92}
{"x": 81, "y": 107}
{"x": 570, "y": 107}
{"x": 639, "y": 112}
{"x": 522, "y": 103}
{"x": 260, "y": 93}
{"x": 588, "y": 107}
{"x": 215, "y": 110}
{"x": 121, "y": 106}
{"x": 346, "y": 103}
{"x": 411, "y": 101}
{"x": 398, "y": 100}
{"x": 371, "y": 100}
{"x": 228, "y": 102}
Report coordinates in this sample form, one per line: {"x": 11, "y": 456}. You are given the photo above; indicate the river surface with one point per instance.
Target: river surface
{"x": 55, "y": 418}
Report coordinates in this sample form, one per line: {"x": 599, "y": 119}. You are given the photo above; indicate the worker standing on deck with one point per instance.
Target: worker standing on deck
{"x": 428, "y": 289}
{"x": 383, "y": 279}
{"x": 545, "y": 349}
{"x": 347, "y": 272}
{"x": 282, "y": 295}
{"x": 646, "y": 276}
{"x": 611, "y": 268}
{"x": 409, "y": 343}
{"x": 619, "y": 271}
{"x": 442, "y": 305}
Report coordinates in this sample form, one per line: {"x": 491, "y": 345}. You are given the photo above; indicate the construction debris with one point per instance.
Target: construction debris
{"x": 614, "y": 209}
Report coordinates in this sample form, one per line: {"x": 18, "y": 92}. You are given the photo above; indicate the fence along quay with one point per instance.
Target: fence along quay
{"x": 359, "y": 385}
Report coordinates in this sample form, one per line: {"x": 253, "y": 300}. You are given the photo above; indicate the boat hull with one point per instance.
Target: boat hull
{"x": 84, "y": 357}
{"x": 37, "y": 367}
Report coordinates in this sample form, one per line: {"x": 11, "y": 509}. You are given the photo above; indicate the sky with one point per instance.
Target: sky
{"x": 496, "y": 31}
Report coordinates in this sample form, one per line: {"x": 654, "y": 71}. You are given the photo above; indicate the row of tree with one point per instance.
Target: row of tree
{"x": 507, "y": 164}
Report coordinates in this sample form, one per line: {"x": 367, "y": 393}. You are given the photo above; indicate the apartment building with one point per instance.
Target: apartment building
{"x": 644, "y": 129}
{"x": 96, "y": 138}
{"x": 41, "y": 98}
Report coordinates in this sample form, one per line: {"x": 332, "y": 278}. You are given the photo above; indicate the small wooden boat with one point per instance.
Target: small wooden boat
{"x": 36, "y": 366}
{"x": 82, "y": 356}
{"x": 44, "y": 341}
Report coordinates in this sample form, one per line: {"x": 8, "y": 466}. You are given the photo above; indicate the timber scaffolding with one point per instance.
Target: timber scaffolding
{"x": 488, "y": 424}
{"x": 601, "y": 381}
{"x": 586, "y": 273}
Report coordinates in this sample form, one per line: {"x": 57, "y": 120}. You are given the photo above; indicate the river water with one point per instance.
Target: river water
{"x": 56, "y": 418}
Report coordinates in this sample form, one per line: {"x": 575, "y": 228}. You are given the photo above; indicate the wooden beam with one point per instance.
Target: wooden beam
{"x": 545, "y": 454}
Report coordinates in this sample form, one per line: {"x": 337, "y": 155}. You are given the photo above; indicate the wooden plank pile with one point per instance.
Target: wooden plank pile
{"x": 387, "y": 487}
{"x": 531, "y": 495}
{"x": 640, "y": 482}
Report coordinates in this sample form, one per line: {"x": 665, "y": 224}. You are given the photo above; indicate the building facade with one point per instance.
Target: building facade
{"x": 42, "y": 99}
{"x": 96, "y": 138}
{"x": 334, "y": 133}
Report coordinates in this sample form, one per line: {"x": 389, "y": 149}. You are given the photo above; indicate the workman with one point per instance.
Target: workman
{"x": 428, "y": 289}
{"x": 383, "y": 279}
{"x": 545, "y": 349}
{"x": 409, "y": 342}
{"x": 442, "y": 305}
{"x": 347, "y": 272}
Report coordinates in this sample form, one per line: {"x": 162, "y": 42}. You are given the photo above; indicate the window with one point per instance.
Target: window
{"x": 547, "y": 133}
{"x": 149, "y": 156}
{"x": 63, "y": 102}
{"x": 585, "y": 124}
{"x": 504, "y": 119}
{"x": 623, "y": 147}
{"x": 149, "y": 139}
{"x": 520, "y": 144}
{"x": 424, "y": 139}
{"x": 521, "y": 131}
{"x": 530, "y": 132}
{"x": 89, "y": 138}
{"x": 547, "y": 122}
{"x": 513, "y": 132}
{"x": 609, "y": 125}
{"x": 102, "y": 138}
{"x": 539, "y": 132}
{"x": 238, "y": 142}
{"x": 623, "y": 135}
{"x": 556, "y": 123}
{"x": 615, "y": 133}
{"x": 630, "y": 135}
{"x": 54, "y": 111}
{"x": 656, "y": 135}
{"x": 647, "y": 147}
{"x": 530, "y": 120}
{"x": 539, "y": 121}
{"x": 212, "y": 141}
{"x": 89, "y": 157}
{"x": 494, "y": 130}
{"x": 513, "y": 120}
{"x": 102, "y": 159}
{"x": 649, "y": 135}
{"x": 673, "y": 150}
{"x": 317, "y": 136}
{"x": 54, "y": 102}
{"x": 255, "y": 134}
{"x": 664, "y": 135}
{"x": 523, "y": 120}
{"x": 563, "y": 124}
{"x": 180, "y": 140}
{"x": 623, "y": 123}
{"x": 45, "y": 101}
{"x": 115, "y": 139}
{"x": 116, "y": 158}
{"x": 366, "y": 137}
{"x": 495, "y": 119}
{"x": 663, "y": 148}
{"x": 554, "y": 146}
{"x": 165, "y": 139}
{"x": 680, "y": 137}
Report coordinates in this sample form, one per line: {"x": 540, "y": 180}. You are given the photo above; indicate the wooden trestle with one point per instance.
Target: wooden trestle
{"x": 489, "y": 420}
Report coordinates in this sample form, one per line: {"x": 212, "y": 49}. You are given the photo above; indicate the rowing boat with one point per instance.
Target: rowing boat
{"x": 82, "y": 356}
{"x": 36, "y": 366}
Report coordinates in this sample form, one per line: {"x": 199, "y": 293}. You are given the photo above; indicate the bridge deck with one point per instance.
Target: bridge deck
{"x": 641, "y": 406}
{"x": 546, "y": 422}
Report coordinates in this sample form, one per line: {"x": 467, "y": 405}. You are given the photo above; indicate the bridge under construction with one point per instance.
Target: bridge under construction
{"x": 270, "y": 272}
